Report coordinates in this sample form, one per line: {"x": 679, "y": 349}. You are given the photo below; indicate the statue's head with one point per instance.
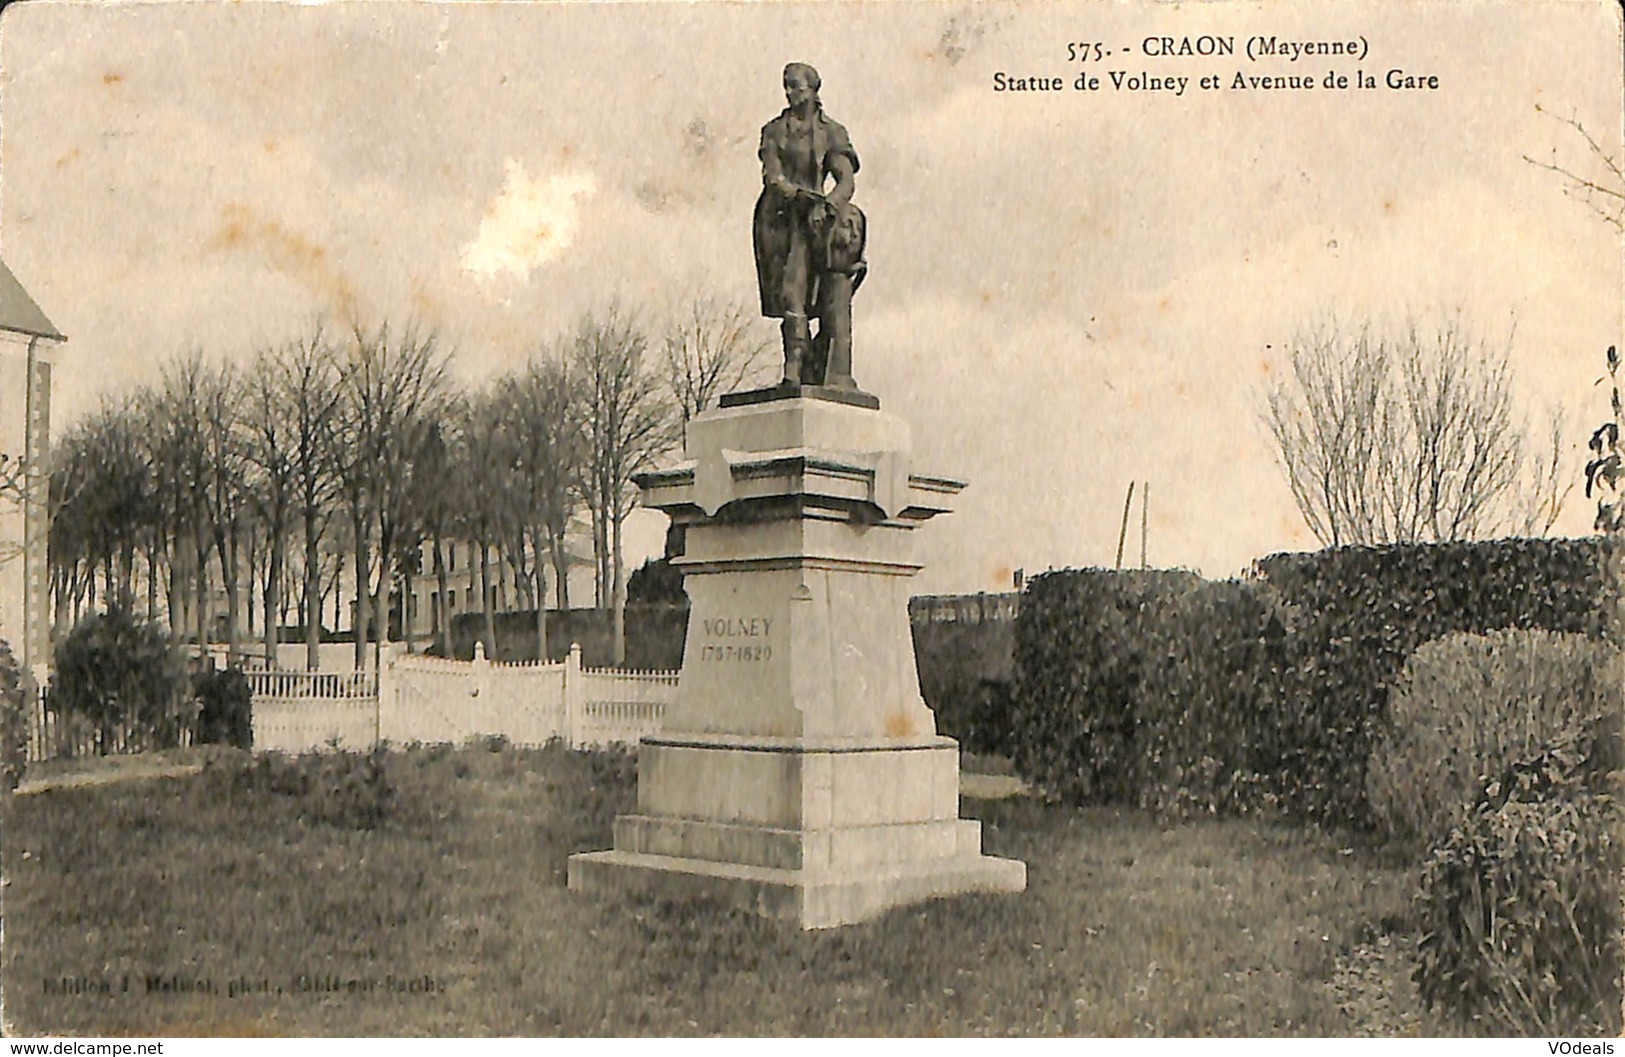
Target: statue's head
{"x": 801, "y": 79}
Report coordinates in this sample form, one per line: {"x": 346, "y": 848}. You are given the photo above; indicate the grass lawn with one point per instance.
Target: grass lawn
{"x": 1128, "y": 927}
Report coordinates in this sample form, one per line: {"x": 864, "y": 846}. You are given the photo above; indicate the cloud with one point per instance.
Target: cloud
{"x": 529, "y": 224}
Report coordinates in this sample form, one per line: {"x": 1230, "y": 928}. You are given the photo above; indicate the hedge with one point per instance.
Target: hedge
{"x": 1157, "y": 688}
{"x": 1080, "y": 643}
{"x": 1210, "y": 710}
{"x": 1360, "y": 612}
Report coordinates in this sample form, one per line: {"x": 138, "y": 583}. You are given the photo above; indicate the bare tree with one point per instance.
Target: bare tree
{"x": 546, "y": 446}
{"x": 225, "y": 489}
{"x": 485, "y": 464}
{"x": 1602, "y": 187}
{"x": 105, "y": 502}
{"x": 305, "y": 397}
{"x": 279, "y": 433}
{"x": 432, "y": 487}
{"x": 436, "y": 483}
{"x": 1386, "y": 439}
{"x": 392, "y": 387}
{"x": 178, "y": 421}
{"x": 711, "y": 347}
{"x": 628, "y": 420}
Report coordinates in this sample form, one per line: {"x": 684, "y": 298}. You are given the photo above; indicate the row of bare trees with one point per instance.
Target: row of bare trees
{"x": 336, "y": 459}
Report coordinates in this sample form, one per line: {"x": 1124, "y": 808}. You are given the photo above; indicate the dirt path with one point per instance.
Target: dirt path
{"x": 990, "y": 786}
{"x": 129, "y": 770}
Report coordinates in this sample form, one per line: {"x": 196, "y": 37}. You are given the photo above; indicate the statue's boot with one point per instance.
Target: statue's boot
{"x": 817, "y": 359}
{"x": 797, "y": 343}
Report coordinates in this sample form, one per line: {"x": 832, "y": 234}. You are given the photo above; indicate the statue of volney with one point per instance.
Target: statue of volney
{"x": 809, "y": 241}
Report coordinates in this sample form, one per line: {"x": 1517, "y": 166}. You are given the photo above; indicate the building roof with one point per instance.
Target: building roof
{"x": 18, "y": 312}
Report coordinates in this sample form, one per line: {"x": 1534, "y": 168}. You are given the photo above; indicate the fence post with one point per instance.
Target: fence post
{"x": 574, "y": 690}
{"x": 384, "y": 688}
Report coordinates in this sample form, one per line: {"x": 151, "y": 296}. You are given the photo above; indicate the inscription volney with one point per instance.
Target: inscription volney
{"x": 737, "y": 628}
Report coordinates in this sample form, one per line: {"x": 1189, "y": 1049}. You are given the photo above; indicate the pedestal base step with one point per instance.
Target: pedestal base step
{"x": 852, "y": 849}
{"x": 812, "y": 899}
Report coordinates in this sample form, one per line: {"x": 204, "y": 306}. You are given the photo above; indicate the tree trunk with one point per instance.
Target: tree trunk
{"x": 230, "y": 581}
{"x": 290, "y": 606}
{"x": 600, "y": 553}
{"x": 539, "y": 572}
{"x": 59, "y": 587}
{"x": 363, "y": 592}
{"x": 442, "y": 612}
{"x": 200, "y": 584}
{"x": 618, "y": 592}
{"x": 519, "y": 566}
{"x": 561, "y": 568}
{"x": 254, "y": 597}
{"x": 486, "y": 600}
{"x": 407, "y": 597}
{"x": 386, "y": 579}
{"x": 338, "y": 594}
{"x": 152, "y": 583}
{"x": 273, "y": 598}
{"x": 177, "y": 609}
{"x": 312, "y": 614}
{"x": 127, "y": 573}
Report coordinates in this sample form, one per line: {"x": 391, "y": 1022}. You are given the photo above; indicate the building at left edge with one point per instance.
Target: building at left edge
{"x": 28, "y": 344}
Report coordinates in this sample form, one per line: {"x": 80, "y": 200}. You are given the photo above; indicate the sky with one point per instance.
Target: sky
{"x": 1068, "y": 291}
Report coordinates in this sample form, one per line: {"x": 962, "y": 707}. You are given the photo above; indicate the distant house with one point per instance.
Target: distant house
{"x": 28, "y": 341}
{"x": 425, "y": 606}
{"x": 428, "y": 610}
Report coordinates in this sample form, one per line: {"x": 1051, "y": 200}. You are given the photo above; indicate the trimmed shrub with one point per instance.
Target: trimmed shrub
{"x": 977, "y": 712}
{"x": 225, "y": 710}
{"x": 1520, "y": 905}
{"x": 124, "y": 680}
{"x": 13, "y": 721}
{"x": 1080, "y": 646}
{"x": 1208, "y": 706}
{"x": 1362, "y": 611}
{"x": 1468, "y": 706}
{"x": 966, "y": 666}
{"x": 656, "y": 581}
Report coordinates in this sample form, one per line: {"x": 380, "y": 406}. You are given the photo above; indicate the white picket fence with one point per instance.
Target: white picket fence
{"x": 412, "y": 698}
{"x": 294, "y": 711}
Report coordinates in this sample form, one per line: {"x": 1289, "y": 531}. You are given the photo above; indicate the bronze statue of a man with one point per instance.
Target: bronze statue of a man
{"x": 809, "y": 241}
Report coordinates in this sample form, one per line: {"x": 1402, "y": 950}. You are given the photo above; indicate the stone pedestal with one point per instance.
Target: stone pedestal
{"x": 799, "y": 772}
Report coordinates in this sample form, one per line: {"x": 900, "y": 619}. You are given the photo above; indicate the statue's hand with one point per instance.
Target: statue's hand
{"x": 821, "y": 213}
